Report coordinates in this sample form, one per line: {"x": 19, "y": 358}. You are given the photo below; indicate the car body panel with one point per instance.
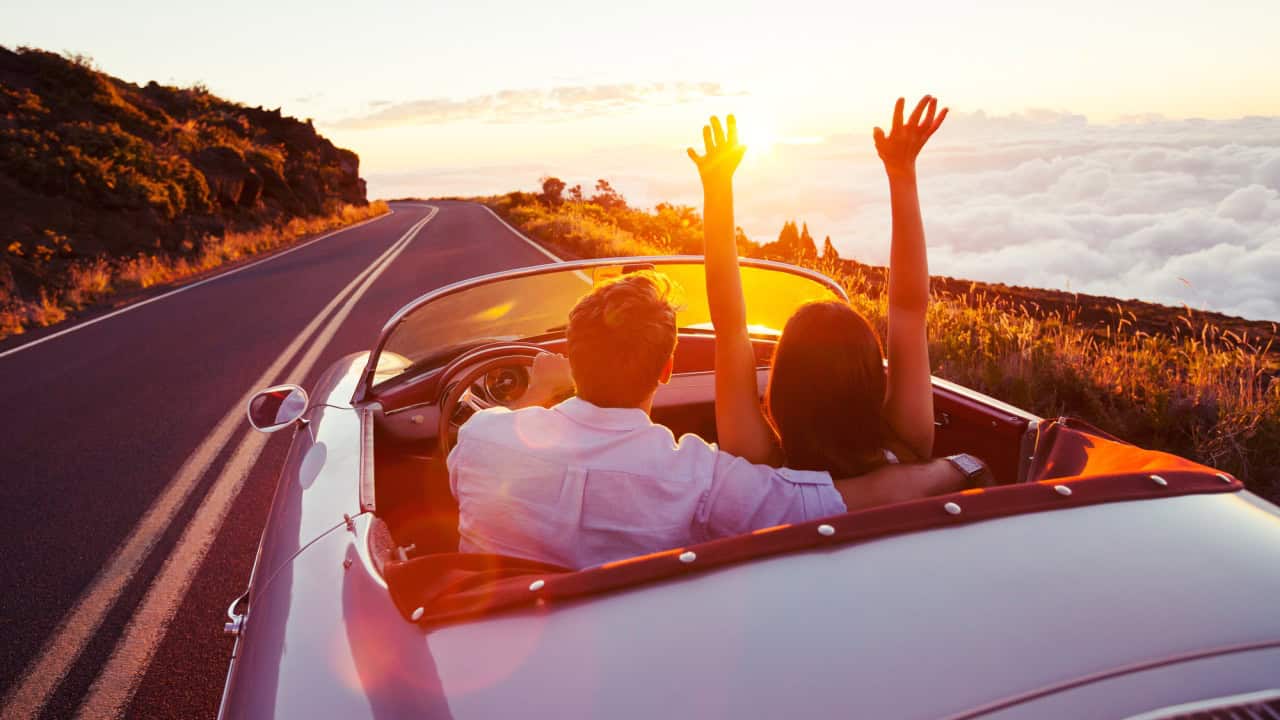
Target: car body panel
{"x": 1008, "y": 616}
{"x": 925, "y": 625}
{"x": 320, "y": 480}
{"x": 918, "y": 625}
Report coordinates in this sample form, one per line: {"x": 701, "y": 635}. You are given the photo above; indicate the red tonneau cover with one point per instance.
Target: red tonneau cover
{"x": 1072, "y": 467}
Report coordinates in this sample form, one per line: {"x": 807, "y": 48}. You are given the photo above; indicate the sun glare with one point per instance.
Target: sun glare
{"x": 757, "y": 132}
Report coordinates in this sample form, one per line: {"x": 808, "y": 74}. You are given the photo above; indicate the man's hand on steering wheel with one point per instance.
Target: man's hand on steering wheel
{"x": 550, "y": 380}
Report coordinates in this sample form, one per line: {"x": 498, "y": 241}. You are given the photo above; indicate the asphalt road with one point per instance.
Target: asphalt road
{"x": 97, "y": 423}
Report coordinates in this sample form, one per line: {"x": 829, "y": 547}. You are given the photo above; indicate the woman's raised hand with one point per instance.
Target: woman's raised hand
{"x": 723, "y": 153}
{"x": 900, "y": 147}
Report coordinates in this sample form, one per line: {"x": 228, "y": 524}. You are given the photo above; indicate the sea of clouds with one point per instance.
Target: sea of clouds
{"x": 1170, "y": 211}
{"x": 1176, "y": 212}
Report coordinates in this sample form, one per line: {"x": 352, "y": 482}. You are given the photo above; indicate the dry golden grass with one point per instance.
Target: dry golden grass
{"x": 1199, "y": 391}
{"x": 581, "y": 229}
{"x": 91, "y": 281}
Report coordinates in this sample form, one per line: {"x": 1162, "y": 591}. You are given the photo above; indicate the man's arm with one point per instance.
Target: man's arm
{"x": 899, "y": 483}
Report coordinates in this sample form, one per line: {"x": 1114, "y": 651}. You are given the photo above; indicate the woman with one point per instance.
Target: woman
{"x": 831, "y": 404}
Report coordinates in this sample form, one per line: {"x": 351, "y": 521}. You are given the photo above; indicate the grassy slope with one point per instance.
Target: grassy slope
{"x": 108, "y": 186}
{"x": 1198, "y": 385}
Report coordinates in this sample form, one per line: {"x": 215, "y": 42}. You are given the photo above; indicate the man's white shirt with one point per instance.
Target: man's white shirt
{"x": 578, "y": 485}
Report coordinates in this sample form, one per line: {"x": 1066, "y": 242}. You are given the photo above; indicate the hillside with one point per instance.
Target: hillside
{"x": 1198, "y": 384}
{"x": 97, "y": 172}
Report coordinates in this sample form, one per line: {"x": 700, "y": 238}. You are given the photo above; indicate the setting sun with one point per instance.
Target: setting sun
{"x": 758, "y": 133}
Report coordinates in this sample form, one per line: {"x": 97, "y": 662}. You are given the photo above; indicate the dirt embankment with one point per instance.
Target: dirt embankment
{"x": 94, "y": 170}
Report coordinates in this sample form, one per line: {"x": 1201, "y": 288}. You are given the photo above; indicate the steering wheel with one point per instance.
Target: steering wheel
{"x": 459, "y": 375}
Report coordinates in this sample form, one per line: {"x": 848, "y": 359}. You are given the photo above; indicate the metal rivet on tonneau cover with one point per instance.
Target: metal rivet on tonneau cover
{"x": 1160, "y": 481}
{"x": 688, "y": 556}
{"x": 1062, "y": 489}
{"x": 952, "y": 508}
{"x": 537, "y": 585}
{"x": 826, "y": 530}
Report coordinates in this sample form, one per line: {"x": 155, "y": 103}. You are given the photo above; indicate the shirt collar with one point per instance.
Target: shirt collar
{"x": 585, "y": 413}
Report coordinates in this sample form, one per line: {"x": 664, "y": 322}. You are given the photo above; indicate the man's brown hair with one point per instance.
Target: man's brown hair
{"x": 620, "y": 338}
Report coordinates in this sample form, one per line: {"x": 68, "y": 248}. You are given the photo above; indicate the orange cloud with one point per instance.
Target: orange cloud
{"x": 557, "y": 103}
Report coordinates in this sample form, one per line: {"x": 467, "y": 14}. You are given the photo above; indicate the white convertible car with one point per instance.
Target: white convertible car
{"x": 1095, "y": 580}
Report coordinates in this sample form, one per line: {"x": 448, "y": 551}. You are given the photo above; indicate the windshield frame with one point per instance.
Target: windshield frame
{"x": 364, "y": 388}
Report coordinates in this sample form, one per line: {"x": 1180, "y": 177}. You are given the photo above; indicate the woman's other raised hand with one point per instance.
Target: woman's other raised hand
{"x": 723, "y": 153}
{"x": 898, "y": 149}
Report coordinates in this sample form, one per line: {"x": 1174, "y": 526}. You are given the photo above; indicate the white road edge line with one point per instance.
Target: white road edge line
{"x": 521, "y": 235}
{"x": 78, "y": 626}
{"x": 184, "y": 288}
{"x": 581, "y": 275}
{"x": 119, "y": 678}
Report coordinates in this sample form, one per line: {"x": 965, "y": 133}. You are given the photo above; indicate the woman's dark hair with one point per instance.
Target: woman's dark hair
{"x": 827, "y": 389}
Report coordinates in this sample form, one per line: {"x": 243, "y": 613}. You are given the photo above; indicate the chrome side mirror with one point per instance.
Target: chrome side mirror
{"x": 277, "y": 407}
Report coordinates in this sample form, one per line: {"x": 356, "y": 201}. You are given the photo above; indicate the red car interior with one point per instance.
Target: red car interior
{"x": 1071, "y": 467}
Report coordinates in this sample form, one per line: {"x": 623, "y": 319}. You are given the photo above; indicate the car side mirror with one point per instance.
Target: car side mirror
{"x": 277, "y": 407}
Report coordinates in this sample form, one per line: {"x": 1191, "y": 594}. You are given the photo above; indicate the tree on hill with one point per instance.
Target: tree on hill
{"x": 806, "y": 248}
{"x": 552, "y": 191}
{"x": 829, "y": 253}
{"x": 575, "y": 193}
{"x": 608, "y": 198}
{"x": 793, "y": 244}
{"x": 789, "y": 237}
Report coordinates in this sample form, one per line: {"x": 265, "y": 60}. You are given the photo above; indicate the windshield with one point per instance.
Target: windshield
{"x": 538, "y": 304}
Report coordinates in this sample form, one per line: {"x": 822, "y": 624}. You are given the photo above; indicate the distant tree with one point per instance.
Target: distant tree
{"x": 675, "y": 227}
{"x": 806, "y": 248}
{"x": 746, "y": 246}
{"x": 794, "y": 244}
{"x": 575, "y": 193}
{"x": 552, "y": 191}
{"x": 516, "y": 197}
{"x": 608, "y": 198}
{"x": 789, "y": 238}
{"x": 81, "y": 59}
{"x": 829, "y": 253}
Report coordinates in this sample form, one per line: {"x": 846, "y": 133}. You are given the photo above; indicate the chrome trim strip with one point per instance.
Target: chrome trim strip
{"x": 365, "y": 383}
{"x": 366, "y": 457}
{"x": 1226, "y": 703}
{"x": 1014, "y": 412}
{"x": 1122, "y": 670}
{"x": 1028, "y": 449}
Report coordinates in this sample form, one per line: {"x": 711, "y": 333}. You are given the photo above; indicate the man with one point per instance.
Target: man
{"x": 593, "y": 479}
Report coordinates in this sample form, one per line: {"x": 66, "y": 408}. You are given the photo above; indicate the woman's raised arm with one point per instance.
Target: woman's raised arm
{"x": 740, "y": 423}
{"x": 909, "y": 400}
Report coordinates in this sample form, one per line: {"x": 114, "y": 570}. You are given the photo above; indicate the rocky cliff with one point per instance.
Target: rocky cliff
{"x": 91, "y": 165}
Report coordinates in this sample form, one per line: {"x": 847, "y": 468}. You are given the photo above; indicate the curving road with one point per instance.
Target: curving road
{"x": 134, "y": 492}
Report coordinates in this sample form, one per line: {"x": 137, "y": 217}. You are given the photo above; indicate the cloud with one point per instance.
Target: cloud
{"x": 552, "y": 104}
{"x": 1184, "y": 211}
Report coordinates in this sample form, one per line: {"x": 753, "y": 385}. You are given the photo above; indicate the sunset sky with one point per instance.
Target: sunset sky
{"x": 479, "y": 97}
